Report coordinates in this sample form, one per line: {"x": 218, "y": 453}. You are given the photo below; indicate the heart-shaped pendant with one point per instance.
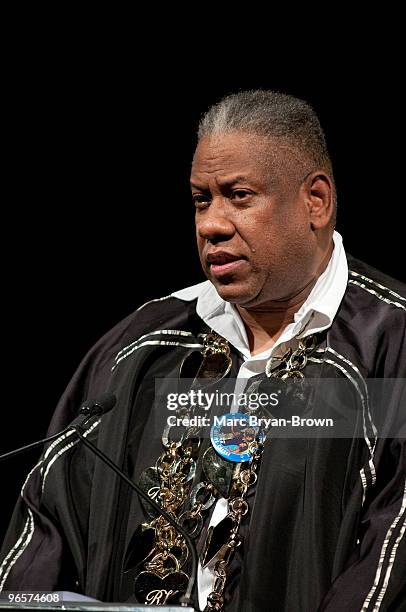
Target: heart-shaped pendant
{"x": 149, "y": 588}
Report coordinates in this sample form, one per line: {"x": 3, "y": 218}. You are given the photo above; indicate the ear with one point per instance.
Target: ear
{"x": 319, "y": 199}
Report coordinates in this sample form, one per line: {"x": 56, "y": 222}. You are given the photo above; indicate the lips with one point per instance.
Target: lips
{"x": 223, "y": 262}
{"x": 221, "y": 257}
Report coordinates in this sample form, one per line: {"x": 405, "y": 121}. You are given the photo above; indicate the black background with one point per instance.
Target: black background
{"x": 98, "y": 217}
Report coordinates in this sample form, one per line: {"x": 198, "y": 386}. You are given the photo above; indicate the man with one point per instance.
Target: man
{"x": 313, "y": 524}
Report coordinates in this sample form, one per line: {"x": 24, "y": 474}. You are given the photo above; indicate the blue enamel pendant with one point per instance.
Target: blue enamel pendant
{"x": 232, "y": 436}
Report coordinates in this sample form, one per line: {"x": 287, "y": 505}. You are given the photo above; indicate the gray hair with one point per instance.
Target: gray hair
{"x": 274, "y": 115}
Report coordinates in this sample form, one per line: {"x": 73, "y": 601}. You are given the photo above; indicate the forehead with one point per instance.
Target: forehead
{"x": 237, "y": 152}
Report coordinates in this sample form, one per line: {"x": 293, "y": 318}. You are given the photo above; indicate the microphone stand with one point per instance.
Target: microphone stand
{"x": 186, "y": 599}
{"x": 28, "y": 447}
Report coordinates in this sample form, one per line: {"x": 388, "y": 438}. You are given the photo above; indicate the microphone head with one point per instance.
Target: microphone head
{"x": 99, "y": 406}
{"x": 105, "y": 403}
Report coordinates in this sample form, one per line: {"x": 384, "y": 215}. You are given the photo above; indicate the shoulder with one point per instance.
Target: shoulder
{"x": 172, "y": 311}
{"x": 168, "y": 317}
{"x": 373, "y": 296}
{"x": 371, "y": 322}
{"x": 368, "y": 280}
{"x": 168, "y": 320}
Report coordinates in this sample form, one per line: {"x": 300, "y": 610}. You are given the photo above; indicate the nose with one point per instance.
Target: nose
{"x": 214, "y": 224}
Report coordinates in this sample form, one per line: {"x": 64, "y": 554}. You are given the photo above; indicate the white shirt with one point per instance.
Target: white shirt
{"x": 315, "y": 315}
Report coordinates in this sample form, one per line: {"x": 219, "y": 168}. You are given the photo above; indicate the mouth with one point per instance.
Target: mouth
{"x": 223, "y": 262}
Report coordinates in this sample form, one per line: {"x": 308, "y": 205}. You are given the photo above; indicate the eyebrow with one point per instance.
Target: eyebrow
{"x": 227, "y": 182}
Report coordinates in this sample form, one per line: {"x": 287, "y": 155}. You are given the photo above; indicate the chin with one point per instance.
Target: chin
{"x": 234, "y": 293}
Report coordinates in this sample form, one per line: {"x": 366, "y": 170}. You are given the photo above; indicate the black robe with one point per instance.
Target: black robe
{"x": 327, "y": 517}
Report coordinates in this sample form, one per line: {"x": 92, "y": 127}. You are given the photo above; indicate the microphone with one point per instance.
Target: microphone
{"x": 88, "y": 410}
{"x": 98, "y": 407}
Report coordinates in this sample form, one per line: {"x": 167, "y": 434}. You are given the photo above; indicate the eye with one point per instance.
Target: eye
{"x": 200, "y": 200}
{"x": 240, "y": 194}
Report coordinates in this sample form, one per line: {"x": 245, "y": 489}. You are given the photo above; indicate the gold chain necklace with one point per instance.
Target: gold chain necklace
{"x": 158, "y": 553}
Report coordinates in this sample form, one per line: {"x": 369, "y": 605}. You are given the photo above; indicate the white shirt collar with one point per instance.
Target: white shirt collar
{"x": 315, "y": 315}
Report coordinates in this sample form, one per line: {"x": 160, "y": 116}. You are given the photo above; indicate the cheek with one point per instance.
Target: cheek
{"x": 279, "y": 243}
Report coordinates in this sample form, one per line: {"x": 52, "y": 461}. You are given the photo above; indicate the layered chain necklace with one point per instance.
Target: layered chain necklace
{"x": 229, "y": 468}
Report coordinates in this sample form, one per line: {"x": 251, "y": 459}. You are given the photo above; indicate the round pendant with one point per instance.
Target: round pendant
{"x": 234, "y": 438}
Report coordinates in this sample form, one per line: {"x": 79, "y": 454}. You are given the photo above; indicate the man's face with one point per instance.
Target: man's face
{"x": 253, "y": 229}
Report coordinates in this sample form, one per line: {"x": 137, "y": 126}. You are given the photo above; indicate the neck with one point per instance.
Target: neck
{"x": 265, "y": 323}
